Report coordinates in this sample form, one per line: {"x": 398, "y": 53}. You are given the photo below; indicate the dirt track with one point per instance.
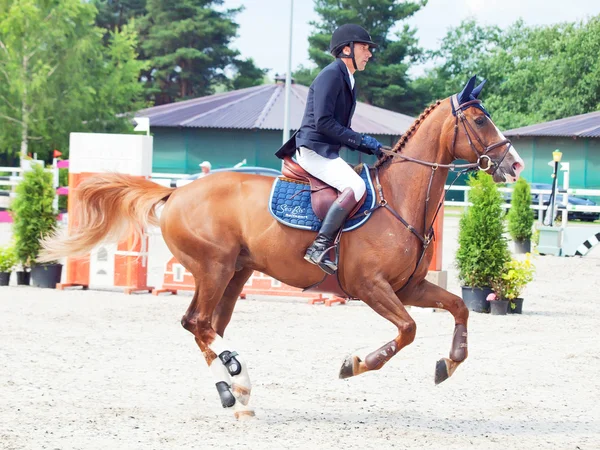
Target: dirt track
{"x": 98, "y": 370}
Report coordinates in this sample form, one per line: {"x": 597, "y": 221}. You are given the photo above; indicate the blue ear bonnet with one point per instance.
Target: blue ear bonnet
{"x": 470, "y": 93}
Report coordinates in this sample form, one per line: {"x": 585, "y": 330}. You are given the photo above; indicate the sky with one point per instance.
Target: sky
{"x": 264, "y": 24}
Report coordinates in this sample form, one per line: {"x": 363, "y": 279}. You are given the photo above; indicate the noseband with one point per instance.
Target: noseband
{"x": 458, "y": 112}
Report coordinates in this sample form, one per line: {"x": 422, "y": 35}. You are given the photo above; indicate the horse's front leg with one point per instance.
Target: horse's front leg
{"x": 381, "y": 298}
{"x": 428, "y": 295}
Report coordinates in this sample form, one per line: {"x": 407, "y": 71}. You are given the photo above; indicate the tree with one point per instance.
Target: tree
{"x": 461, "y": 55}
{"x": 483, "y": 249}
{"x": 114, "y": 14}
{"x": 547, "y": 73}
{"x": 385, "y": 82}
{"x": 34, "y": 216}
{"x": 520, "y": 215}
{"x": 187, "y": 45}
{"x": 306, "y": 75}
{"x": 247, "y": 74}
{"x": 535, "y": 74}
{"x": 56, "y": 76}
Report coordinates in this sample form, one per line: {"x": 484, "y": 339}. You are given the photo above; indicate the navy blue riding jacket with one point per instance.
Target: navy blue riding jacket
{"x": 327, "y": 117}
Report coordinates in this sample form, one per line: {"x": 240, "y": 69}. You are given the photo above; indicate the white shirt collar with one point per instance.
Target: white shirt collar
{"x": 351, "y": 76}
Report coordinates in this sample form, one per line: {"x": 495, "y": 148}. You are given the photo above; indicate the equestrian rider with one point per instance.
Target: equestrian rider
{"x": 326, "y": 127}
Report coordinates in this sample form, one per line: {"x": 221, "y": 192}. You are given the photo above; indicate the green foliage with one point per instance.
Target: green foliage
{"x": 306, "y": 75}
{"x": 247, "y": 74}
{"x": 57, "y": 77}
{"x": 535, "y": 238}
{"x": 113, "y": 15}
{"x": 520, "y": 215}
{"x": 187, "y": 47}
{"x": 8, "y": 258}
{"x": 535, "y": 74}
{"x": 482, "y": 250}
{"x": 459, "y": 57}
{"x": 33, "y": 215}
{"x": 385, "y": 82}
{"x": 515, "y": 276}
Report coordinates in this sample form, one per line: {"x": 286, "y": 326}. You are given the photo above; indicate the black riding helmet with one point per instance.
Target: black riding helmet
{"x": 348, "y": 34}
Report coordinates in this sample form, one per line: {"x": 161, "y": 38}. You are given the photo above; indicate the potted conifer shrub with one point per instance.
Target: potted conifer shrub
{"x": 520, "y": 217}
{"x": 8, "y": 261}
{"x": 33, "y": 219}
{"x": 483, "y": 250}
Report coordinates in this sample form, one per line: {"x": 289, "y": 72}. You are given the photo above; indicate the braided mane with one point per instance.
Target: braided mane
{"x": 404, "y": 138}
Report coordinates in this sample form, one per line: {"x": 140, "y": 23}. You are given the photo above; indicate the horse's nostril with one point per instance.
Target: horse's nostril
{"x": 517, "y": 167}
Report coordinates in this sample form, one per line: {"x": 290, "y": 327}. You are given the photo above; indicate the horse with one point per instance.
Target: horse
{"x": 220, "y": 230}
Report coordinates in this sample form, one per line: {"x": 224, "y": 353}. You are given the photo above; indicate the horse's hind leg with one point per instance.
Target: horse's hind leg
{"x": 201, "y": 319}
{"x": 224, "y": 309}
{"x": 240, "y": 386}
{"x": 428, "y": 295}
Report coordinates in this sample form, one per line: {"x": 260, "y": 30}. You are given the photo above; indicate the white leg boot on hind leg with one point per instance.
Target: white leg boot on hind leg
{"x": 232, "y": 369}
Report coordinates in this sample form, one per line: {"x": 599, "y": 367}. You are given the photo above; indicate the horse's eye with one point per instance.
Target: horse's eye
{"x": 480, "y": 120}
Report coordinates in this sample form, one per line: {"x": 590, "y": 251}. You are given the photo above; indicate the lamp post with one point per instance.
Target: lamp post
{"x": 288, "y": 80}
{"x": 556, "y": 157}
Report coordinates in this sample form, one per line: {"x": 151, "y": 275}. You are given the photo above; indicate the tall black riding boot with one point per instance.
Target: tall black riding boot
{"x": 334, "y": 220}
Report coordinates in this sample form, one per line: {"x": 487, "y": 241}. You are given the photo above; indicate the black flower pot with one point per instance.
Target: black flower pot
{"x": 518, "y": 302}
{"x": 523, "y": 246}
{"x": 475, "y": 298}
{"x": 499, "y": 307}
{"x": 4, "y": 278}
{"x": 46, "y": 275}
{"x": 23, "y": 278}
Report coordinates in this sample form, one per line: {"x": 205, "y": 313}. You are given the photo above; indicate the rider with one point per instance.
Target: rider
{"x": 326, "y": 127}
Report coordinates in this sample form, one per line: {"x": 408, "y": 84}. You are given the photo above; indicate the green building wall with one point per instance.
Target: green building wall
{"x": 583, "y": 155}
{"x": 181, "y": 150}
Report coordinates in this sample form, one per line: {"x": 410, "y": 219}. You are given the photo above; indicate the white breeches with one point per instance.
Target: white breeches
{"x": 335, "y": 172}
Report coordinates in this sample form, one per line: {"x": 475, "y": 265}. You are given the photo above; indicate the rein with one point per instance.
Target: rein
{"x": 428, "y": 234}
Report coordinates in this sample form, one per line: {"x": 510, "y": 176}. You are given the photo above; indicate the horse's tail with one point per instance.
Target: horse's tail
{"x": 110, "y": 205}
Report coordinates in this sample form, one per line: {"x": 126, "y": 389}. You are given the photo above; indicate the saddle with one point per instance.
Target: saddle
{"x": 322, "y": 195}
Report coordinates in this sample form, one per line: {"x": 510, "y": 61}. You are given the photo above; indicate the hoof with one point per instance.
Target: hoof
{"x": 441, "y": 371}
{"x": 349, "y": 367}
{"x": 444, "y": 369}
{"x": 244, "y": 415}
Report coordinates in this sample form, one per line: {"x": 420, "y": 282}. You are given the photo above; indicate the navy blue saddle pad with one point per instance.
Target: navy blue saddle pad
{"x": 290, "y": 204}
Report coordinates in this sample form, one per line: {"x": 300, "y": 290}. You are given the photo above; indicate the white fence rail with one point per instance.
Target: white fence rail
{"x": 10, "y": 180}
{"x": 166, "y": 179}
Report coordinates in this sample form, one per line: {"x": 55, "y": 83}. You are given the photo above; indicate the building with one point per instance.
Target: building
{"x": 229, "y": 127}
{"x": 577, "y": 137}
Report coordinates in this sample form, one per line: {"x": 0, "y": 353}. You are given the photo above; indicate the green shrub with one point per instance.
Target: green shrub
{"x": 33, "y": 215}
{"x": 8, "y": 258}
{"x": 483, "y": 250}
{"x": 520, "y": 215}
{"x": 515, "y": 276}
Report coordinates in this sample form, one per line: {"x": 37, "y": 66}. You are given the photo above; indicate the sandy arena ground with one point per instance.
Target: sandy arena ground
{"x": 101, "y": 370}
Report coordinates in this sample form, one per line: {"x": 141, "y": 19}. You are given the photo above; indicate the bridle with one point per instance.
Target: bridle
{"x": 458, "y": 113}
{"x": 460, "y": 118}
{"x": 482, "y": 156}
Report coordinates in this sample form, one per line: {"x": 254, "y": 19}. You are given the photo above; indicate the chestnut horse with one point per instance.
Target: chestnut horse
{"x": 220, "y": 229}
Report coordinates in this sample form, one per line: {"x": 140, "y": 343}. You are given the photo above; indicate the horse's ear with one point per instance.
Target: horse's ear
{"x": 478, "y": 89}
{"x": 465, "y": 94}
